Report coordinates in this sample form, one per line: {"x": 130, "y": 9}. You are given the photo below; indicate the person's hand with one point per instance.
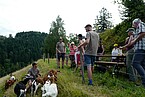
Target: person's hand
{"x": 122, "y": 47}
{"x": 133, "y": 42}
{"x": 78, "y": 47}
{"x": 59, "y": 51}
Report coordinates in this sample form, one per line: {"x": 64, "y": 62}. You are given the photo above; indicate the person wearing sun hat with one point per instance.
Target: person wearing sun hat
{"x": 115, "y": 52}
{"x": 129, "y": 54}
{"x": 138, "y": 61}
{"x": 72, "y": 54}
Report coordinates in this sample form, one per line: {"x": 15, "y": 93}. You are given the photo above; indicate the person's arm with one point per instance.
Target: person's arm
{"x": 57, "y": 48}
{"x": 82, "y": 47}
{"x": 38, "y": 72}
{"x": 84, "y": 43}
{"x": 129, "y": 42}
{"x": 139, "y": 37}
{"x": 64, "y": 49}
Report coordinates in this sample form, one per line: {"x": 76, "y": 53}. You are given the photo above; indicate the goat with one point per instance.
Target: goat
{"x": 10, "y": 82}
{"x": 50, "y": 88}
{"x": 35, "y": 85}
{"x": 50, "y": 73}
{"x": 20, "y": 88}
{"x": 44, "y": 88}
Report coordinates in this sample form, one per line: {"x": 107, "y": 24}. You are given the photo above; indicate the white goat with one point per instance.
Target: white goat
{"x": 49, "y": 89}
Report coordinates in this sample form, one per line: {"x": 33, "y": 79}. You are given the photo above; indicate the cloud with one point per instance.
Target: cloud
{"x": 37, "y": 15}
{"x": 5, "y": 31}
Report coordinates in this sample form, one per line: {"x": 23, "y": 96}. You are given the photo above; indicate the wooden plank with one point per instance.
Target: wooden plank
{"x": 109, "y": 63}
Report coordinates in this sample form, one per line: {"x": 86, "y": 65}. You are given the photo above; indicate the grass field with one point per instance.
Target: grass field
{"x": 70, "y": 83}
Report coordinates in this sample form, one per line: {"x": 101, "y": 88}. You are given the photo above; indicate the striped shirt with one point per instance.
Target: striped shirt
{"x": 141, "y": 43}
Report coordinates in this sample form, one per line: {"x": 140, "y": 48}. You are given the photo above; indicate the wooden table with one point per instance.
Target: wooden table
{"x": 117, "y": 65}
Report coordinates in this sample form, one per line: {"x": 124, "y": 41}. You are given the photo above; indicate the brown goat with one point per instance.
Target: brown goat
{"x": 50, "y": 73}
{"x": 9, "y": 83}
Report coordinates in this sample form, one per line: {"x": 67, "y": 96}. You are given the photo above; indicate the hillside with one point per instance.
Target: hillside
{"x": 70, "y": 83}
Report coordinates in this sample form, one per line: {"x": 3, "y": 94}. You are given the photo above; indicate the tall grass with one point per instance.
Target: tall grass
{"x": 70, "y": 83}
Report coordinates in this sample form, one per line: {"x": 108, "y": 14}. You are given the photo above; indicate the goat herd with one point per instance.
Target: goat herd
{"x": 47, "y": 83}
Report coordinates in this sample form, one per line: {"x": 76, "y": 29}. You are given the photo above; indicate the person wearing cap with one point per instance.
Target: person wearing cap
{"x": 138, "y": 61}
{"x": 60, "y": 50}
{"x": 129, "y": 54}
{"x": 72, "y": 54}
{"x": 91, "y": 46}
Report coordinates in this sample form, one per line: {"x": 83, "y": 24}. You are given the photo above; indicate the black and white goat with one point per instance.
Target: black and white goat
{"x": 36, "y": 83}
{"x": 20, "y": 87}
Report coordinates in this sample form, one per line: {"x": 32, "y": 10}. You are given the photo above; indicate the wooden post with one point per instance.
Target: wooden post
{"x": 44, "y": 57}
{"x": 48, "y": 57}
{"x": 82, "y": 66}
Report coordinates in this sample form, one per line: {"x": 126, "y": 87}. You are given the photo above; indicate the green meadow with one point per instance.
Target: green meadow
{"x": 70, "y": 83}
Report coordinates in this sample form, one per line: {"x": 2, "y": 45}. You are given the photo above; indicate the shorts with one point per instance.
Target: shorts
{"x": 66, "y": 57}
{"x": 89, "y": 60}
{"x": 72, "y": 57}
{"x": 61, "y": 55}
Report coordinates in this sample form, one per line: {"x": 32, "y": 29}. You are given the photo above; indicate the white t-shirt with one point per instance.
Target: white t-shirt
{"x": 115, "y": 52}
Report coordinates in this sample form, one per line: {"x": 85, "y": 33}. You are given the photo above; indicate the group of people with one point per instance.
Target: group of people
{"x": 135, "y": 50}
{"x": 134, "y": 45}
{"x": 88, "y": 48}
{"x": 92, "y": 46}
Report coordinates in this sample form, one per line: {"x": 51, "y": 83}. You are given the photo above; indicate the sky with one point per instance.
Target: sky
{"x": 37, "y": 15}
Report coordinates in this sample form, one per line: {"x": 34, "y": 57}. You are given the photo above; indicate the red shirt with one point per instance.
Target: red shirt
{"x": 72, "y": 49}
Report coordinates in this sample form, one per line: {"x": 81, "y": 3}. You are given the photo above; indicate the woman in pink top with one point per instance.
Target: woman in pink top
{"x": 72, "y": 53}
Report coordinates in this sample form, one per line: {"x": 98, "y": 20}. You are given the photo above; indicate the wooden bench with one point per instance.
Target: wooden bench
{"x": 116, "y": 65}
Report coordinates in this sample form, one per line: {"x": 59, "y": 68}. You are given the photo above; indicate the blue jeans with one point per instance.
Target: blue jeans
{"x": 130, "y": 70}
{"x": 138, "y": 63}
{"x": 89, "y": 60}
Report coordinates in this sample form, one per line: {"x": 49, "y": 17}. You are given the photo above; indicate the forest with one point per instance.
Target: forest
{"x": 18, "y": 52}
